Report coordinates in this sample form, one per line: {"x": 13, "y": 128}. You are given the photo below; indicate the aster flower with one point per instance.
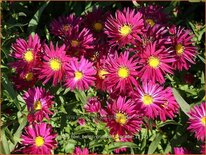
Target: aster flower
{"x": 38, "y": 139}
{"x": 197, "y": 121}
{"x": 122, "y": 117}
{"x": 64, "y": 25}
{"x": 183, "y": 48}
{"x": 170, "y": 106}
{"x": 154, "y": 14}
{"x": 54, "y": 63}
{"x": 154, "y": 63}
{"x": 80, "y": 74}
{"x": 95, "y": 22}
{"x": 180, "y": 151}
{"x": 26, "y": 53}
{"x": 80, "y": 42}
{"x": 93, "y": 105}
{"x": 121, "y": 72}
{"x": 149, "y": 98}
{"x": 125, "y": 27}
{"x": 203, "y": 149}
{"x": 24, "y": 80}
{"x": 81, "y": 121}
{"x": 83, "y": 151}
{"x": 38, "y": 102}
{"x": 156, "y": 33}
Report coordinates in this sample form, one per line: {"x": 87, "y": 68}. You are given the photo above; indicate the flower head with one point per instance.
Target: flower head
{"x": 26, "y": 53}
{"x": 93, "y": 105}
{"x": 64, "y": 25}
{"x": 180, "y": 151}
{"x": 80, "y": 42}
{"x": 54, "y": 63}
{"x": 170, "y": 106}
{"x": 38, "y": 139}
{"x": 38, "y": 102}
{"x": 197, "y": 121}
{"x": 149, "y": 98}
{"x": 122, "y": 72}
{"x": 183, "y": 48}
{"x": 125, "y": 27}
{"x": 122, "y": 117}
{"x": 79, "y": 151}
{"x": 80, "y": 74}
{"x": 154, "y": 63}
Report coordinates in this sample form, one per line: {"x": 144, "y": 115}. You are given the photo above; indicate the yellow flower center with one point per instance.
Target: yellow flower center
{"x": 121, "y": 118}
{"x": 66, "y": 28}
{"x": 123, "y": 72}
{"x": 74, "y": 43}
{"x": 150, "y": 22}
{"x": 55, "y": 64}
{"x": 203, "y": 120}
{"x": 39, "y": 141}
{"x": 29, "y": 76}
{"x": 125, "y": 30}
{"x": 154, "y": 62}
{"x": 102, "y": 73}
{"x": 78, "y": 75}
{"x": 28, "y": 56}
{"x": 179, "y": 49}
{"x": 98, "y": 26}
{"x": 37, "y": 105}
{"x": 116, "y": 138}
{"x": 147, "y": 99}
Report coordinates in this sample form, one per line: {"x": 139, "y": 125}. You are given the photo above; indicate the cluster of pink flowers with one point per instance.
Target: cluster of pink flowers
{"x": 126, "y": 55}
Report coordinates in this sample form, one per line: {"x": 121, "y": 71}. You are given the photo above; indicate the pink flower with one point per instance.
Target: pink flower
{"x": 197, "y": 121}
{"x": 122, "y": 72}
{"x": 183, "y": 48}
{"x": 81, "y": 121}
{"x": 125, "y": 27}
{"x": 80, "y": 74}
{"x": 54, "y": 63}
{"x": 93, "y": 105}
{"x": 180, "y": 151}
{"x": 154, "y": 63}
{"x": 122, "y": 117}
{"x": 170, "y": 107}
{"x": 38, "y": 139}
{"x": 149, "y": 98}
{"x": 38, "y": 102}
{"x": 79, "y": 151}
{"x": 26, "y": 54}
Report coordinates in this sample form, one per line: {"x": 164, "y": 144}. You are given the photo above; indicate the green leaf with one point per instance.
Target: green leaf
{"x": 116, "y": 145}
{"x": 4, "y": 145}
{"x": 183, "y": 104}
{"x": 80, "y": 96}
{"x": 35, "y": 20}
{"x": 154, "y": 144}
{"x": 167, "y": 122}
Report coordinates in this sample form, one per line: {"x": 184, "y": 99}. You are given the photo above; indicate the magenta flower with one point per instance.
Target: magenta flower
{"x": 93, "y": 105}
{"x": 95, "y": 22}
{"x": 197, "y": 121}
{"x": 80, "y": 74}
{"x": 203, "y": 149}
{"x": 38, "y": 139}
{"x": 54, "y": 63}
{"x": 79, "y": 151}
{"x": 170, "y": 106}
{"x": 122, "y": 72}
{"x": 38, "y": 102}
{"x": 183, "y": 48}
{"x": 154, "y": 63}
{"x": 64, "y": 25}
{"x": 180, "y": 150}
{"x": 80, "y": 42}
{"x": 149, "y": 98}
{"x": 81, "y": 121}
{"x": 154, "y": 14}
{"x": 26, "y": 54}
{"x": 125, "y": 27}
{"x": 122, "y": 117}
